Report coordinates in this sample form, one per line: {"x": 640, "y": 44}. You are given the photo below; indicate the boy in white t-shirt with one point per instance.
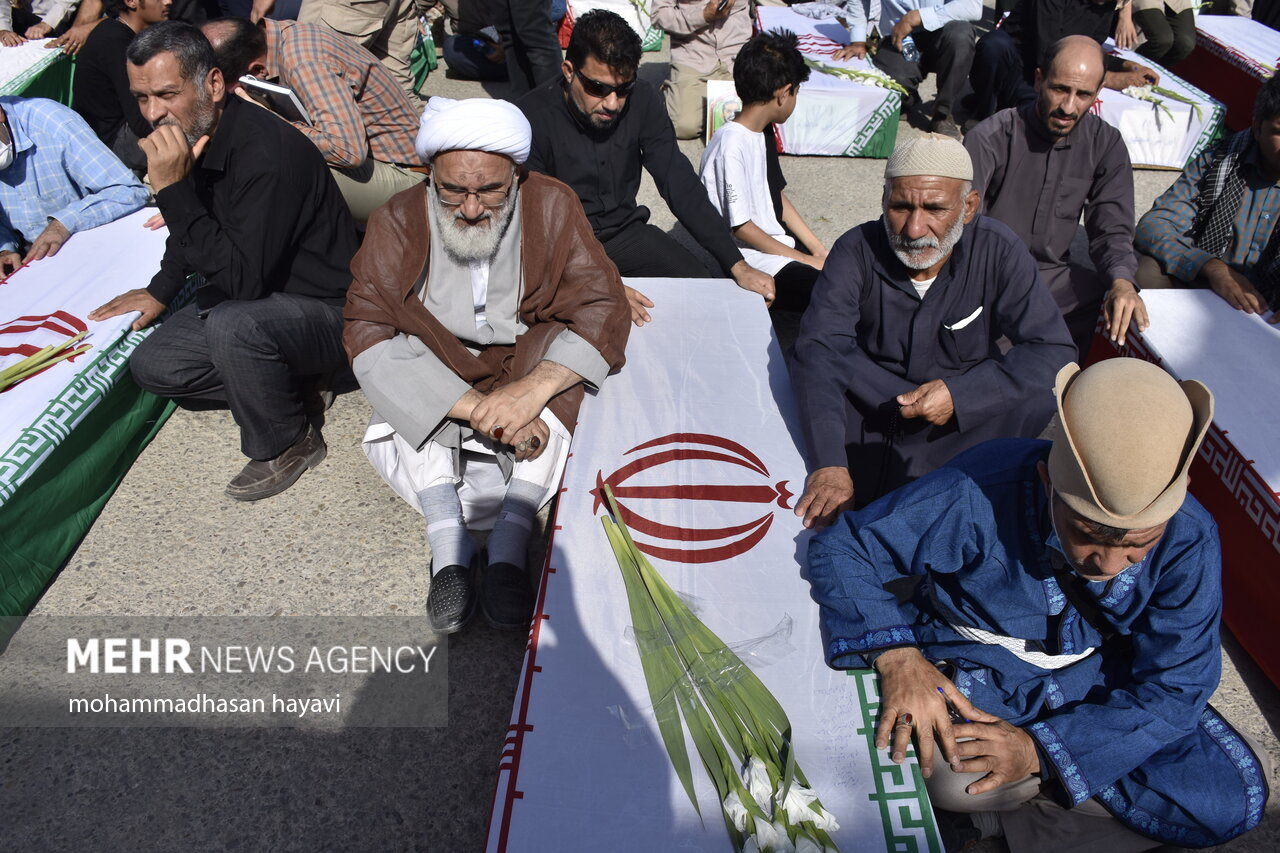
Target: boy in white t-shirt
{"x": 739, "y": 169}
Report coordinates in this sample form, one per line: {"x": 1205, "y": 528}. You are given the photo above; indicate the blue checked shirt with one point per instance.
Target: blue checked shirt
{"x": 61, "y": 171}
{"x": 1164, "y": 232}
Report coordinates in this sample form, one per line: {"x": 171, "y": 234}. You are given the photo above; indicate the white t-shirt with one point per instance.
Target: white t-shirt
{"x": 922, "y": 287}
{"x": 734, "y": 172}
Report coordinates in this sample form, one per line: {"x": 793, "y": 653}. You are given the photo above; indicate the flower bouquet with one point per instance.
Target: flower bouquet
{"x": 45, "y": 358}
{"x": 742, "y": 735}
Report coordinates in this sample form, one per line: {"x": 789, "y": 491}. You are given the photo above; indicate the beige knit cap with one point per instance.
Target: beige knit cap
{"x": 1127, "y": 432}
{"x": 931, "y": 154}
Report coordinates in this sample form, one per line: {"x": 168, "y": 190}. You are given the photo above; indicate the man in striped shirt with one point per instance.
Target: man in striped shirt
{"x": 360, "y": 118}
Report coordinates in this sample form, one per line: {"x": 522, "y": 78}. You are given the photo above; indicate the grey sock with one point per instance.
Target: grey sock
{"x": 510, "y": 536}
{"x": 451, "y": 544}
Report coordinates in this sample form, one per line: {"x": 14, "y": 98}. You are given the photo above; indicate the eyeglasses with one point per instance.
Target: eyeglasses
{"x": 596, "y": 89}
{"x": 488, "y": 198}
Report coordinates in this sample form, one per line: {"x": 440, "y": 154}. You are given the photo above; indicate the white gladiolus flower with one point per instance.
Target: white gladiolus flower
{"x": 823, "y": 820}
{"x": 767, "y": 836}
{"x": 798, "y": 805}
{"x": 784, "y": 844}
{"x": 756, "y": 778}
{"x": 736, "y": 811}
{"x": 805, "y": 844}
{"x": 750, "y": 846}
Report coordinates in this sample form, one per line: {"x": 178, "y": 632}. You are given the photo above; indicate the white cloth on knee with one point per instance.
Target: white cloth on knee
{"x": 481, "y": 487}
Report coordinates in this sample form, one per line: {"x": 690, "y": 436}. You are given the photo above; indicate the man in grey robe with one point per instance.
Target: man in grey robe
{"x": 481, "y": 305}
{"x": 1038, "y": 166}
{"x": 897, "y": 367}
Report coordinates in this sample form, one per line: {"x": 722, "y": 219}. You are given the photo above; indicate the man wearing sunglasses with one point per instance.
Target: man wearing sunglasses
{"x": 594, "y": 129}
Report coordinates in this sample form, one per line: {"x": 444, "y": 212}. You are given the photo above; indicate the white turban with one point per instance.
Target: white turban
{"x": 476, "y": 124}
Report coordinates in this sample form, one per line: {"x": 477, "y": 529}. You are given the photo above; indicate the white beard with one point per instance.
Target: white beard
{"x": 914, "y": 254}
{"x": 469, "y": 243}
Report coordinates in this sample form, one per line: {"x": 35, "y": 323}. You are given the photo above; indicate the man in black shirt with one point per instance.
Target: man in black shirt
{"x": 594, "y": 129}
{"x": 252, "y": 209}
{"x": 1004, "y": 67}
{"x": 101, "y": 90}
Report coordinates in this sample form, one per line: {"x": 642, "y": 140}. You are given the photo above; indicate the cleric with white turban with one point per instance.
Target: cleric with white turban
{"x": 481, "y": 306}
{"x": 475, "y": 124}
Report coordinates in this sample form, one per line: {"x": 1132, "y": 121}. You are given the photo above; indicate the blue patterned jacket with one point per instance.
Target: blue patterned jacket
{"x": 1128, "y": 724}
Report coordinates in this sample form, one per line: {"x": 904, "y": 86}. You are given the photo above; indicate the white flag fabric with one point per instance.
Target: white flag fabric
{"x": 48, "y": 302}
{"x": 698, "y": 438}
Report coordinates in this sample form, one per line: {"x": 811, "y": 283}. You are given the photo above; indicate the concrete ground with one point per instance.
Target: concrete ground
{"x": 338, "y": 543}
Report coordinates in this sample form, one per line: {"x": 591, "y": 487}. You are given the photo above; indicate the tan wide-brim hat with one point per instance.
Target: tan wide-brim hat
{"x": 1127, "y": 433}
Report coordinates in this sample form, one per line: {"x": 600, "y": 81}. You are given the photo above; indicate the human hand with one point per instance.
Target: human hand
{"x": 73, "y": 39}
{"x": 155, "y": 223}
{"x": 817, "y": 259}
{"x": 9, "y": 262}
{"x": 750, "y": 278}
{"x": 169, "y": 158}
{"x": 1235, "y": 287}
{"x": 531, "y": 441}
{"x": 38, "y": 31}
{"x": 49, "y": 242}
{"x": 711, "y": 14}
{"x": 1122, "y": 306}
{"x": 1143, "y": 73}
{"x": 506, "y": 411}
{"x": 853, "y": 50}
{"x": 1126, "y": 33}
{"x": 914, "y": 689}
{"x": 639, "y": 302}
{"x": 9, "y": 38}
{"x": 903, "y": 28}
{"x": 134, "y": 300}
{"x": 260, "y": 9}
{"x": 1000, "y": 749}
{"x": 1132, "y": 74}
{"x": 931, "y": 401}
{"x": 827, "y": 492}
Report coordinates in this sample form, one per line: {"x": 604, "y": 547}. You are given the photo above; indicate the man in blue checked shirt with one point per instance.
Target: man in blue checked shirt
{"x": 56, "y": 178}
{"x": 1215, "y": 227}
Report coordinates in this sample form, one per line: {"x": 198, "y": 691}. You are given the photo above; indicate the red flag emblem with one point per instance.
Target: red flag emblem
{"x": 682, "y": 456}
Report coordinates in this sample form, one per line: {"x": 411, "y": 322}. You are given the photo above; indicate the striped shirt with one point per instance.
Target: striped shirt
{"x": 60, "y": 170}
{"x": 1164, "y": 232}
{"x": 357, "y": 108}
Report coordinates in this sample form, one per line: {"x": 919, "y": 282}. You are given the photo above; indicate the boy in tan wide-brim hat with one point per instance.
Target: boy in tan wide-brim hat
{"x": 1063, "y": 645}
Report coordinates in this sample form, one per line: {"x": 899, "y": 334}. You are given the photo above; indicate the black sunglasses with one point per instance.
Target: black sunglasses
{"x": 596, "y": 89}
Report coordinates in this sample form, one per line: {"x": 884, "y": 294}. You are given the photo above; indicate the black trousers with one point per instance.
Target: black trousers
{"x": 249, "y": 354}
{"x": 947, "y": 52}
{"x": 642, "y": 249}
{"x": 1170, "y": 37}
{"x": 997, "y": 76}
{"x": 793, "y": 286}
{"x": 533, "y": 51}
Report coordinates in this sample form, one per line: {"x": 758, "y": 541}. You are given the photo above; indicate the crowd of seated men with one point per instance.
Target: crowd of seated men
{"x": 466, "y": 262}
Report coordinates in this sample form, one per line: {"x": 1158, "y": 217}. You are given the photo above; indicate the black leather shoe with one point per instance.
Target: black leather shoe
{"x": 507, "y": 600}
{"x": 451, "y": 602}
{"x": 262, "y": 479}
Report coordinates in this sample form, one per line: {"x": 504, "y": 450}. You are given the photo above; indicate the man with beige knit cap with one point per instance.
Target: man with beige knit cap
{"x": 1058, "y": 643}
{"x": 897, "y": 365}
